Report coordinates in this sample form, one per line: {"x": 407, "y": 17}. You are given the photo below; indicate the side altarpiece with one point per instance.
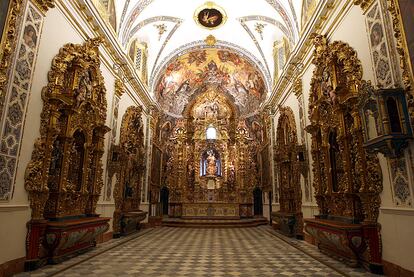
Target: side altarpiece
{"x": 289, "y": 218}
{"x": 64, "y": 176}
{"x": 129, "y": 156}
{"x": 346, "y": 178}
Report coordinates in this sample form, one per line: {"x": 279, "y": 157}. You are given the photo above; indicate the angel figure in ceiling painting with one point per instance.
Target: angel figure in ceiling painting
{"x": 227, "y": 56}
{"x": 197, "y": 57}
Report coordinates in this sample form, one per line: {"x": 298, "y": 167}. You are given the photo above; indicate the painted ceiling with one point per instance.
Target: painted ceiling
{"x": 222, "y": 70}
{"x": 168, "y": 27}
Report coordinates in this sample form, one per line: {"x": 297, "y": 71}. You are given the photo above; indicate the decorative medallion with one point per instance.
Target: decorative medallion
{"x": 210, "y": 16}
{"x": 210, "y": 40}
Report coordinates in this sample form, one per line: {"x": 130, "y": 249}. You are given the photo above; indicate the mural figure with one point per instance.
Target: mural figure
{"x": 29, "y": 36}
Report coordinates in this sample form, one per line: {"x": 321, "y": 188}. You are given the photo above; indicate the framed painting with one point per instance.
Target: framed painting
{"x": 210, "y": 16}
{"x": 406, "y": 8}
{"x": 5, "y": 6}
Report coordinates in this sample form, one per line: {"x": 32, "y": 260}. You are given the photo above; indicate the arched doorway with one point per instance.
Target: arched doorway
{"x": 164, "y": 200}
{"x": 258, "y": 201}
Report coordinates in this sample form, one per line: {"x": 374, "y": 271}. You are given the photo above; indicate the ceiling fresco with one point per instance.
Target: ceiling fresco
{"x": 225, "y": 71}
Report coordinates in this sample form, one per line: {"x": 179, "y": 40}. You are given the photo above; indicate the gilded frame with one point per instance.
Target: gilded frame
{"x": 402, "y": 49}
{"x": 409, "y": 58}
{"x": 5, "y": 23}
{"x": 8, "y": 41}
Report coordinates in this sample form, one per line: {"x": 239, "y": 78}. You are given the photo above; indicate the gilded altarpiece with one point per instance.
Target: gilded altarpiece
{"x": 347, "y": 180}
{"x": 130, "y": 169}
{"x": 210, "y": 160}
{"x": 64, "y": 176}
{"x": 289, "y": 219}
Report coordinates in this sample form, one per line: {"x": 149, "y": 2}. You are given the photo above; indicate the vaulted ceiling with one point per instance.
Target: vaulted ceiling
{"x": 169, "y": 29}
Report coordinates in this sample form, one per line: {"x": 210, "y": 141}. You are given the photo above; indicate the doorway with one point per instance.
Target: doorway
{"x": 258, "y": 201}
{"x": 164, "y": 200}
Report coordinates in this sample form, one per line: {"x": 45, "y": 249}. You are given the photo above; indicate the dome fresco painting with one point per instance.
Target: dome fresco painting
{"x": 223, "y": 70}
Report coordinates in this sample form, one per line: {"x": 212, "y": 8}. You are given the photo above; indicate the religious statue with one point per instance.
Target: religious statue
{"x": 232, "y": 175}
{"x": 84, "y": 90}
{"x": 190, "y": 174}
{"x": 211, "y": 163}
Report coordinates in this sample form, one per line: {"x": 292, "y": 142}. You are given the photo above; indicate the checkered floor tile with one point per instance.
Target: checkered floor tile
{"x": 204, "y": 252}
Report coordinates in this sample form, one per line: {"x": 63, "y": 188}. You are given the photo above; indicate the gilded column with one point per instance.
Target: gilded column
{"x": 150, "y": 131}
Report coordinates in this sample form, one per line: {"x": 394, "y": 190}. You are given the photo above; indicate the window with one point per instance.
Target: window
{"x": 211, "y": 133}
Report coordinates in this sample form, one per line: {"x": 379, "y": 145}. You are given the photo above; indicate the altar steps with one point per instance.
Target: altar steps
{"x": 213, "y": 222}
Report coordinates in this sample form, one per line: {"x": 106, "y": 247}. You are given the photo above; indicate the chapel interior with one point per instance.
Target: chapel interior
{"x": 206, "y": 138}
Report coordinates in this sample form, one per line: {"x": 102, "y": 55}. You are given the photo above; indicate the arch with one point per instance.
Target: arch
{"x": 164, "y": 199}
{"x": 210, "y": 163}
{"x": 222, "y": 94}
{"x": 211, "y": 133}
{"x": 257, "y": 202}
{"x": 200, "y": 45}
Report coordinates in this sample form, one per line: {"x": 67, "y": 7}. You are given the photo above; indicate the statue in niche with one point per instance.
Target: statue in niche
{"x": 371, "y": 123}
{"x": 327, "y": 87}
{"x": 326, "y": 83}
{"x": 232, "y": 175}
{"x": 57, "y": 156}
{"x": 211, "y": 163}
{"x": 84, "y": 90}
{"x": 190, "y": 174}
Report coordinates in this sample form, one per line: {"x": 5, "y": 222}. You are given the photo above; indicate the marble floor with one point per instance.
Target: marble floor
{"x": 167, "y": 251}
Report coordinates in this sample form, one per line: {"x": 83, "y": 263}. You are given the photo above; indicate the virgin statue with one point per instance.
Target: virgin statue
{"x": 211, "y": 163}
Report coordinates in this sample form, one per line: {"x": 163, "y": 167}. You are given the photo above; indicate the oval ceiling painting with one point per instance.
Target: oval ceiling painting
{"x": 210, "y": 16}
{"x": 225, "y": 71}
